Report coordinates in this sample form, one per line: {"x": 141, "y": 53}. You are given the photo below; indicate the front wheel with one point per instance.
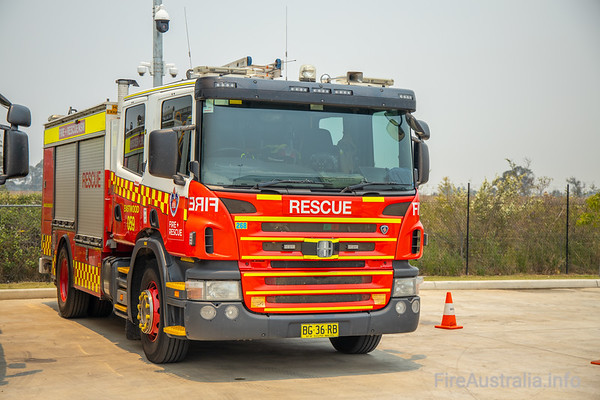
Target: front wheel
{"x": 158, "y": 347}
{"x": 72, "y": 303}
{"x": 356, "y": 344}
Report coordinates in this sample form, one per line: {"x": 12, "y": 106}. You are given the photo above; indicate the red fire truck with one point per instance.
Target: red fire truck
{"x": 232, "y": 205}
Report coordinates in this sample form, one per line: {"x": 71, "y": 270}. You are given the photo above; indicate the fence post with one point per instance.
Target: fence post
{"x": 468, "y": 216}
{"x": 567, "y": 236}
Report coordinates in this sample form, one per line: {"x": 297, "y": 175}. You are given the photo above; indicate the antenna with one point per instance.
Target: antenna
{"x": 188, "y": 37}
{"x": 286, "y": 55}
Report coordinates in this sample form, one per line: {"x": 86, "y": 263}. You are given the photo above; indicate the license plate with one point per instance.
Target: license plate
{"x": 329, "y": 329}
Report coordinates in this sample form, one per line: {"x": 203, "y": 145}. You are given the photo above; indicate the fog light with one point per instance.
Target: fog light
{"x": 208, "y": 312}
{"x": 400, "y": 307}
{"x": 232, "y": 312}
{"x": 415, "y": 306}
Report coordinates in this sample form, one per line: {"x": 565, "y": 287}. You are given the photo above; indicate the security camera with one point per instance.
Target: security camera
{"x": 141, "y": 70}
{"x": 161, "y": 18}
{"x": 173, "y": 71}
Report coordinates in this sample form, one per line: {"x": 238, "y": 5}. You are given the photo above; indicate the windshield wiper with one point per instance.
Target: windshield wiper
{"x": 361, "y": 185}
{"x": 274, "y": 182}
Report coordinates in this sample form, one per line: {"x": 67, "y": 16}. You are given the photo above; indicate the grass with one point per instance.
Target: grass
{"x": 27, "y": 285}
{"x": 507, "y": 277}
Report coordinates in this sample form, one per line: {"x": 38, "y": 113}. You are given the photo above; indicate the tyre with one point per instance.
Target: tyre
{"x": 355, "y": 344}
{"x": 132, "y": 331}
{"x": 158, "y": 347}
{"x": 99, "y": 308}
{"x": 72, "y": 303}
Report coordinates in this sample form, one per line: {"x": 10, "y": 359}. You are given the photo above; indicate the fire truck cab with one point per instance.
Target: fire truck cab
{"x": 232, "y": 205}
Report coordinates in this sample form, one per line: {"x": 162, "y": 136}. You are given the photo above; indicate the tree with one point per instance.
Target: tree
{"x": 577, "y": 187}
{"x": 523, "y": 174}
{"x": 593, "y": 216}
{"x": 30, "y": 183}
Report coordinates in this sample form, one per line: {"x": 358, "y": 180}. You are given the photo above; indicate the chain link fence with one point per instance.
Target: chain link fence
{"x": 507, "y": 233}
{"x": 20, "y": 236}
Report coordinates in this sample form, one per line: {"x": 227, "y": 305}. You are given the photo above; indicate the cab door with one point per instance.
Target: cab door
{"x": 127, "y": 218}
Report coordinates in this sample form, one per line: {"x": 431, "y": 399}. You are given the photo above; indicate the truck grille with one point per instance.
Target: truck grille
{"x": 318, "y": 264}
{"x": 339, "y": 298}
{"x": 319, "y": 280}
{"x": 314, "y": 291}
{"x": 317, "y": 227}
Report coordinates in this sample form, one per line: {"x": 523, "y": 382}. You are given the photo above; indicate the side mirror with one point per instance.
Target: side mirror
{"x": 421, "y": 162}
{"x": 420, "y": 127}
{"x": 162, "y": 153}
{"x": 18, "y": 115}
{"x": 15, "y": 157}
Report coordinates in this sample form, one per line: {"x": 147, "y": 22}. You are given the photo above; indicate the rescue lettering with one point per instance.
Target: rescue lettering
{"x": 204, "y": 204}
{"x": 321, "y": 207}
{"x": 91, "y": 180}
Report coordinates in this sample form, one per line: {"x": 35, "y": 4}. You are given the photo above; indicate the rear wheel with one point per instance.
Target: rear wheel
{"x": 72, "y": 303}
{"x": 158, "y": 347}
{"x": 356, "y": 344}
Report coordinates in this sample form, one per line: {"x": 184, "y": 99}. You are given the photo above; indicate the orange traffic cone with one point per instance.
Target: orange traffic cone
{"x": 449, "y": 319}
{"x": 597, "y": 362}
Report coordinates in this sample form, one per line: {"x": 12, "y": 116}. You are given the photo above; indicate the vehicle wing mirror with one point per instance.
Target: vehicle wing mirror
{"x": 162, "y": 153}
{"x": 15, "y": 155}
{"x": 18, "y": 115}
{"x": 421, "y": 162}
{"x": 420, "y": 127}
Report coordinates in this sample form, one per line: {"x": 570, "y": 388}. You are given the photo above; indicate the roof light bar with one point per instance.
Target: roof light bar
{"x": 298, "y": 89}
{"x": 344, "y": 92}
{"x": 225, "y": 84}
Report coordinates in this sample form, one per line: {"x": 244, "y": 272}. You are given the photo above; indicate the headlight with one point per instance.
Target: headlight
{"x": 404, "y": 287}
{"x": 213, "y": 290}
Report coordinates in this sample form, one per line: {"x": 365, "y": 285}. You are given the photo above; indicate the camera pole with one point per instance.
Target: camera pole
{"x": 157, "y": 49}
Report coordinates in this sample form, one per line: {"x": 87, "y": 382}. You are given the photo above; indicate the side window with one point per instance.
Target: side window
{"x": 133, "y": 156}
{"x": 178, "y": 112}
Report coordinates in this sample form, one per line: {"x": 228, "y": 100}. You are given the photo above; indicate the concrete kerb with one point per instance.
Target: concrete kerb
{"x": 512, "y": 284}
{"x": 16, "y": 294}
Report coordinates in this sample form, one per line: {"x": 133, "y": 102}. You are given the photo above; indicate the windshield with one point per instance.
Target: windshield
{"x": 257, "y": 144}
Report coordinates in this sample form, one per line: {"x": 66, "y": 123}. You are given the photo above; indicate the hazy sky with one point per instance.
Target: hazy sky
{"x": 497, "y": 79}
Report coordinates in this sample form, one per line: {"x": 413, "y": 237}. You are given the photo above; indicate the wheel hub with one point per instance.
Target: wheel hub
{"x": 148, "y": 311}
{"x": 63, "y": 280}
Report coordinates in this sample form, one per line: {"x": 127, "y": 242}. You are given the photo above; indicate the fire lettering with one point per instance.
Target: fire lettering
{"x": 415, "y": 208}
{"x": 204, "y": 204}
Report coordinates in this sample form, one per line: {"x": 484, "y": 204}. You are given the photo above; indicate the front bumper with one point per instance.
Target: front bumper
{"x": 249, "y": 325}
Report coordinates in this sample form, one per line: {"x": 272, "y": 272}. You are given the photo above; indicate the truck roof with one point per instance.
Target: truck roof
{"x": 215, "y": 87}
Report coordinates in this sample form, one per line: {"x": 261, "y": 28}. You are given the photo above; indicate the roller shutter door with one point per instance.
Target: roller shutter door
{"x": 90, "y": 221}
{"x": 65, "y": 183}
